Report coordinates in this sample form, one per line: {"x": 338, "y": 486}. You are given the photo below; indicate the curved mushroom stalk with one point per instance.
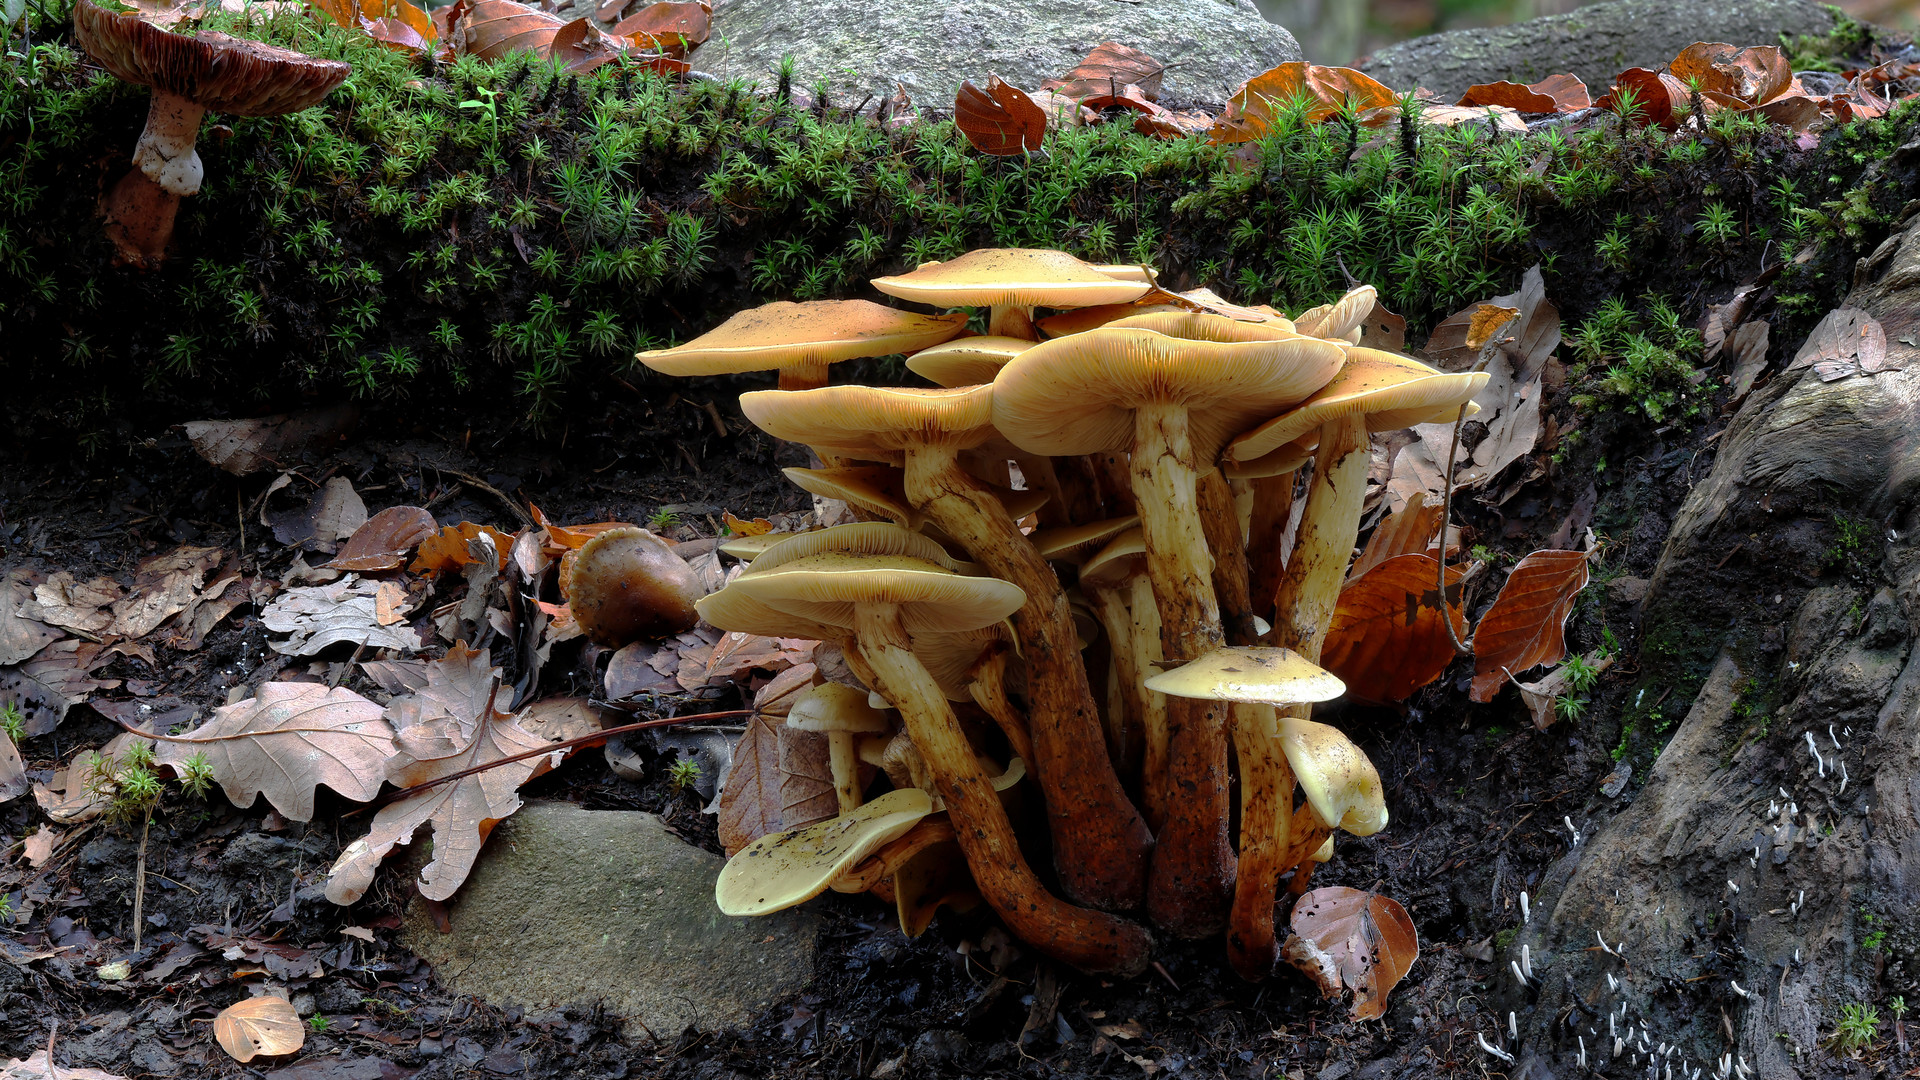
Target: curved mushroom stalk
{"x": 1086, "y": 939}
{"x": 988, "y": 688}
{"x": 1266, "y": 823}
{"x": 1323, "y": 545}
{"x": 1302, "y": 878}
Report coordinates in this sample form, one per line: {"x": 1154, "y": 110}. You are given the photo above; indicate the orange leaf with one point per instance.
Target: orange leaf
{"x": 672, "y": 28}
{"x": 1555, "y": 93}
{"x": 447, "y": 549}
{"x": 491, "y": 29}
{"x": 1000, "y": 120}
{"x": 1386, "y": 639}
{"x": 1249, "y": 115}
{"x": 1752, "y": 75}
{"x": 1407, "y": 531}
{"x": 573, "y": 537}
{"x": 1354, "y": 939}
{"x": 1654, "y": 96}
{"x": 395, "y": 23}
{"x": 1108, "y": 69}
{"x": 745, "y": 527}
{"x": 1796, "y": 112}
{"x": 263, "y": 1025}
{"x": 580, "y": 46}
{"x": 1525, "y": 626}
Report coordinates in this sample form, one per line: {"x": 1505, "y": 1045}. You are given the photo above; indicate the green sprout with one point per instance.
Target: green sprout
{"x": 1859, "y": 1026}
{"x": 196, "y": 775}
{"x": 1569, "y": 708}
{"x": 318, "y": 1023}
{"x": 663, "y": 519}
{"x": 13, "y": 722}
{"x": 1717, "y": 225}
{"x": 683, "y": 774}
{"x": 1580, "y": 675}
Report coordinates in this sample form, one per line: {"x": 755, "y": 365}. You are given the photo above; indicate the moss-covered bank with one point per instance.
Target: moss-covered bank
{"x": 508, "y": 231}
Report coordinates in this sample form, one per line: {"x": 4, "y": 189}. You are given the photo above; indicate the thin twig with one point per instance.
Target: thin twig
{"x": 1487, "y": 351}
{"x": 505, "y": 499}
{"x": 139, "y": 888}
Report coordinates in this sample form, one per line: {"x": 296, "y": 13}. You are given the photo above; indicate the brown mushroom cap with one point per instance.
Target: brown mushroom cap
{"x": 627, "y": 584}
{"x": 1390, "y": 390}
{"x": 966, "y": 361}
{"x": 1012, "y": 277}
{"x": 806, "y": 335}
{"x": 226, "y": 74}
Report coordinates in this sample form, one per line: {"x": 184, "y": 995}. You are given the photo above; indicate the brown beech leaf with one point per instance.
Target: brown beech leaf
{"x": 1502, "y": 117}
{"x": 461, "y": 812}
{"x": 41, "y": 1067}
{"x": 1752, "y": 76}
{"x": 1000, "y": 120}
{"x": 673, "y": 28}
{"x": 1411, "y": 530}
{"x": 491, "y": 29}
{"x": 1108, "y": 69}
{"x": 1352, "y": 939}
{"x": 750, "y": 802}
{"x": 13, "y": 771}
{"x": 52, "y": 681}
{"x": 1540, "y": 696}
{"x": 806, "y": 778}
{"x": 447, "y": 549}
{"x": 581, "y": 46}
{"x": 268, "y": 442}
{"x": 1525, "y": 626}
{"x": 1796, "y": 112}
{"x": 1555, "y": 93}
{"x": 1386, "y": 639}
{"x": 1654, "y": 96}
{"x": 1250, "y": 112}
{"x": 262, "y": 1026}
{"x": 383, "y": 542}
{"x": 285, "y": 742}
{"x": 573, "y": 537}
{"x": 395, "y": 23}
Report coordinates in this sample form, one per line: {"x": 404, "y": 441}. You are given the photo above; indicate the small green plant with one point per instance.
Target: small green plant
{"x": 1569, "y": 708}
{"x": 683, "y": 774}
{"x": 1859, "y": 1026}
{"x": 663, "y": 519}
{"x": 6, "y": 907}
{"x": 1852, "y": 543}
{"x": 490, "y": 106}
{"x": 196, "y": 775}
{"x": 1483, "y": 553}
{"x": 318, "y": 1023}
{"x": 1717, "y": 225}
{"x": 1580, "y": 675}
{"x": 1875, "y": 939}
{"x": 13, "y": 722}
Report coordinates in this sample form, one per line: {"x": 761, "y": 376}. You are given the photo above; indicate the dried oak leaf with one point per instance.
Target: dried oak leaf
{"x": 41, "y": 1067}
{"x": 1525, "y": 626}
{"x": 1000, "y": 120}
{"x": 382, "y": 542}
{"x": 1325, "y": 90}
{"x": 262, "y": 1026}
{"x": 675, "y": 29}
{"x": 1555, "y": 93}
{"x": 1108, "y": 69}
{"x": 286, "y": 741}
{"x": 317, "y": 616}
{"x": 76, "y": 793}
{"x": 268, "y": 442}
{"x": 1751, "y": 76}
{"x": 77, "y": 605}
{"x": 1353, "y": 939}
{"x": 573, "y": 537}
{"x": 52, "y": 681}
{"x": 21, "y": 632}
{"x": 1386, "y": 639}
{"x": 163, "y": 586}
{"x": 441, "y": 742}
{"x": 447, "y": 549}
{"x": 38, "y": 848}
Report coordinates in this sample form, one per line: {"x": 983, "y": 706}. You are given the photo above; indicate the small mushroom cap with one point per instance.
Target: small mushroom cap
{"x": 780, "y": 870}
{"x": 1323, "y": 853}
{"x": 1077, "y": 395}
{"x": 734, "y": 610}
{"x": 874, "y": 423}
{"x": 1014, "y": 277}
{"x": 626, "y": 584}
{"x": 828, "y": 588}
{"x": 836, "y": 707}
{"x": 877, "y": 489}
{"x": 1340, "y": 318}
{"x": 1203, "y": 326}
{"x": 1124, "y": 555}
{"x": 1071, "y": 543}
{"x": 1256, "y": 674}
{"x": 788, "y": 334}
{"x": 749, "y": 548}
{"x": 1279, "y": 461}
{"x": 966, "y": 361}
{"x": 1338, "y": 780}
{"x": 1126, "y": 272}
{"x": 1081, "y": 320}
{"x": 933, "y": 876}
{"x": 225, "y": 74}
{"x": 1392, "y": 391}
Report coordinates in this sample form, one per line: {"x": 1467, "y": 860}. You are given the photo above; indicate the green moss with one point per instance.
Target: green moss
{"x": 501, "y": 227}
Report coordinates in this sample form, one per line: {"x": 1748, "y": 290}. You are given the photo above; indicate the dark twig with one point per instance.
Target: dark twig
{"x": 1487, "y": 351}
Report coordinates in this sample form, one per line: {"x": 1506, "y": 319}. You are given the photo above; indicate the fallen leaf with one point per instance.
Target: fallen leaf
{"x": 1382, "y": 329}
{"x": 1325, "y": 90}
{"x": 286, "y": 741}
{"x": 1847, "y": 342}
{"x": 806, "y": 778}
{"x": 673, "y": 28}
{"x": 13, "y": 771}
{"x": 265, "y": 1025}
{"x": 581, "y": 46}
{"x": 1411, "y": 530}
{"x": 163, "y": 587}
{"x": 394, "y": 23}
{"x": 460, "y": 812}
{"x": 76, "y": 793}
{"x": 1540, "y": 696}
{"x": 1358, "y": 940}
{"x": 1747, "y": 346}
{"x": 317, "y": 616}
{"x": 1753, "y": 75}
{"x": 21, "y": 632}
{"x": 52, "y": 681}
{"x": 41, "y": 1067}
{"x": 573, "y": 537}
{"x": 493, "y": 29}
{"x": 1386, "y": 639}
{"x": 76, "y": 605}
{"x": 745, "y": 527}
{"x": 38, "y": 848}
{"x": 1797, "y": 112}
{"x": 1654, "y": 95}
{"x": 736, "y": 654}
{"x": 1531, "y": 339}
{"x": 559, "y": 719}
{"x": 630, "y": 673}
{"x": 383, "y": 541}
{"x": 1000, "y": 120}
{"x": 1525, "y": 626}
{"x": 269, "y": 442}
{"x": 1108, "y": 68}
{"x": 750, "y": 801}
{"x": 333, "y": 513}
{"x": 1505, "y": 119}
{"x": 447, "y": 549}
{"x": 1555, "y": 93}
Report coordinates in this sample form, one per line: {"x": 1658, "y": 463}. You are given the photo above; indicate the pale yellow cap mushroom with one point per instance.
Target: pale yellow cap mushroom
{"x": 966, "y": 361}
{"x": 1011, "y": 281}
{"x": 801, "y": 339}
{"x": 780, "y": 870}
{"x": 1256, "y": 674}
{"x": 1390, "y": 390}
{"x": 1339, "y": 782}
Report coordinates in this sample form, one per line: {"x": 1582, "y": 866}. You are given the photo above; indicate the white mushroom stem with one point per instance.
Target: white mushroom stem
{"x": 1310, "y": 584}
{"x": 1126, "y": 697}
{"x": 1220, "y": 520}
{"x": 1266, "y": 824}
{"x": 1089, "y": 940}
{"x": 843, "y": 756}
{"x": 165, "y": 150}
{"x": 1191, "y": 885}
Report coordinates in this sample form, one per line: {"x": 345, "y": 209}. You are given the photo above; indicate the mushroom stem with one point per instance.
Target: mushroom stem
{"x": 1125, "y": 711}
{"x": 988, "y": 688}
{"x": 803, "y": 375}
{"x": 1266, "y": 539}
{"x": 1221, "y": 523}
{"x": 1266, "y": 822}
{"x": 139, "y": 218}
{"x": 844, "y": 759}
{"x": 165, "y": 150}
{"x": 1012, "y": 320}
{"x": 1310, "y": 585}
{"x": 1153, "y": 704}
{"x": 1302, "y": 877}
{"x": 1089, "y": 940}
{"x": 1191, "y": 883}
{"x": 1100, "y": 840}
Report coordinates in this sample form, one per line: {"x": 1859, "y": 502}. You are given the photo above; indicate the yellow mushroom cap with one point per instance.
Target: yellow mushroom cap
{"x": 877, "y": 489}
{"x": 1254, "y": 673}
{"x": 874, "y": 423}
{"x": 807, "y": 334}
{"x": 829, "y": 587}
{"x": 1204, "y": 326}
{"x": 1323, "y": 853}
{"x": 1071, "y": 543}
{"x": 1340, "y": 318}
{"x": 1014, "y": 277}
{"x": 1077, "y": 395}
{"x": 1279, "y": 461}
{"x": 748, "y": 548}
{"x": 780, "y": 870}
{"x": 836, "y": 707}
{"x": 966, "y": 361}
{"x": 1123, "y": 556}
{"x": 1340, "y": 783}
{"x": 1081, "y": 320}
{"x": 1392, "y": 391}
{"x": 734, "y": 610}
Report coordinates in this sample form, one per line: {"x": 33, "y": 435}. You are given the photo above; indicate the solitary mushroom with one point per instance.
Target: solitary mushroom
{"x": 1255, "y": 680}
{"x": 1173, "y": 401}
{"x": 1011, "y": 281}
{"x": 626, "y": 584}
{"x": 1100, "y": 839}
{"x": 842, "y": 714}
{"x": 801, "y": 339}
{"x": 189, "y": 75}
{"x": 879, "y": 599}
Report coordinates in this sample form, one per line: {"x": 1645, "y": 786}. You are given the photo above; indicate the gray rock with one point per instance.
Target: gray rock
{"x": 1627, "y": 590}
{"x": 572, "y": 906}
{"x": 1595, "y": 42}
{"x": 929, "y": 46}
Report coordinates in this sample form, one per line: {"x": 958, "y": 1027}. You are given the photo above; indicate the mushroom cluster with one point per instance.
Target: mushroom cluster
{"x": 1073, "y": 565}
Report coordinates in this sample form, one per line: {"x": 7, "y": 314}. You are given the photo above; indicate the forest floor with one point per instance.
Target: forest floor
{"x": 1478, "y": 797}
